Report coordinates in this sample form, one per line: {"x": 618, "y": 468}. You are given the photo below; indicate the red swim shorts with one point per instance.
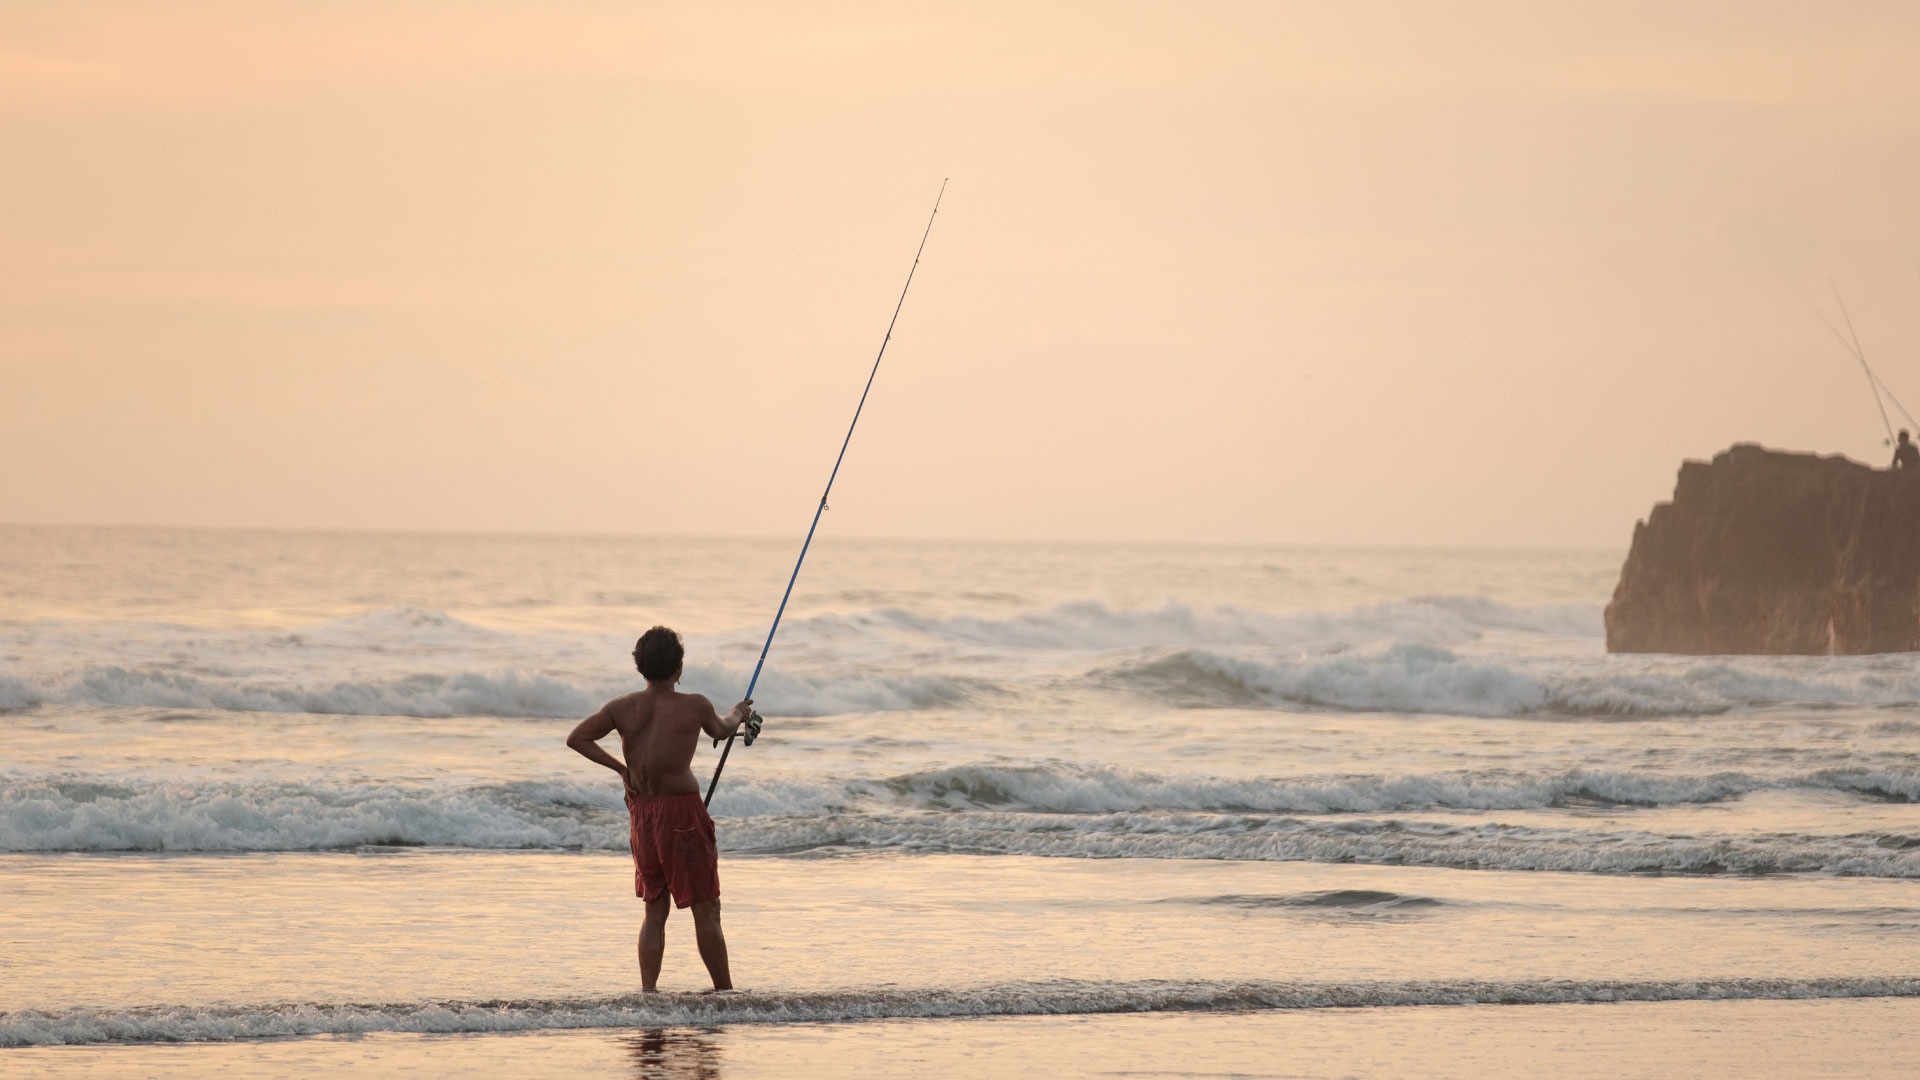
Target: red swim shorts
{"x": 673, "y": 848}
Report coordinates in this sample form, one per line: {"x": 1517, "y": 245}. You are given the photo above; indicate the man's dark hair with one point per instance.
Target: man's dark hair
{"x": 658, "y": 654}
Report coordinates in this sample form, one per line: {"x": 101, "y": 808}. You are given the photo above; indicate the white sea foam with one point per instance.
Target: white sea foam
{"x": 1398, "y": 678}
{"x": 15, "y": 693}
{"x": 1401, "y": 678}
{"x": 1051, "y": 812}
{"x": 1071, "y": 789}
{"x": 1415, "y": 656}
{"x": 1430, "y": 679}
{"x": 67, "y": 815}
{"x": 505, "y": 693}
{"x": 75, "y": 814}
{"x": 427, "y": 693}
{"x": 202, "y": 1023}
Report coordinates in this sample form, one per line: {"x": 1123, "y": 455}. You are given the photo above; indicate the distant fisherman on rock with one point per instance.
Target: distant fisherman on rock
{"x": 675, "y": 860}
{"x": 1906, "y": 455}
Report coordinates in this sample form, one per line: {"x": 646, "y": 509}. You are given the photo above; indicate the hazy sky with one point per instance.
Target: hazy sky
{"x": 1458, "y": 272}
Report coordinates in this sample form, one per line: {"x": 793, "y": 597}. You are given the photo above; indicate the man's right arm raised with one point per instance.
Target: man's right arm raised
{"x": 723, "y": 727}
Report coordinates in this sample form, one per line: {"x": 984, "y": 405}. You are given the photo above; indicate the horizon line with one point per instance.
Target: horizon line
{"x": 610, "y": 534}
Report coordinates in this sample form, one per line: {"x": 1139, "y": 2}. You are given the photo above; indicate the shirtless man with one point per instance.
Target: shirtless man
{"x": 672, "y": 837}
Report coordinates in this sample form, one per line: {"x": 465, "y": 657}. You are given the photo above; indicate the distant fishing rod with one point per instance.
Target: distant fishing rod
{"x": 1877, "y": 386}
{"x": 808, "y": 542}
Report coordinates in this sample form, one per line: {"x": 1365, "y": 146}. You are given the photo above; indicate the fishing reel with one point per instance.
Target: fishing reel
{"x": 749, "y": 728}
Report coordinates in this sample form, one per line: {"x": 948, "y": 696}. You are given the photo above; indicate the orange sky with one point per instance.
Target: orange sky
{"x": 1476, "y": 273}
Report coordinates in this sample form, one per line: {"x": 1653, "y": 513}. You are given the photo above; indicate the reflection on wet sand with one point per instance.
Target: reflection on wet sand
{"x": 675, "y": 1054}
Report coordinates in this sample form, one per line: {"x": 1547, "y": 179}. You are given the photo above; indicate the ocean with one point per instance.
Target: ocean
{"x": 285, "y": 802}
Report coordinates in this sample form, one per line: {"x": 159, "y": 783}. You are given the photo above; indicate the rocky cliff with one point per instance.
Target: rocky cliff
{"x": 1768, "y": 552}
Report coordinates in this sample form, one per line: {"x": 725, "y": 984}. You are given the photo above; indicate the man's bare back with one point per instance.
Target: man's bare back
{"x": 660, "y": 728}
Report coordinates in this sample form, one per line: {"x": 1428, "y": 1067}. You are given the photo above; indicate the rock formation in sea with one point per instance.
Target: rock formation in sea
{"x": 1763, "y": 551}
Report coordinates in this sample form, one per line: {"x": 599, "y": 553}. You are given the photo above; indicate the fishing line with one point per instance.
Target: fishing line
{"x": 1861, "y": 354}
{"x": 1875, "y": 384}
{"x": 1912, "y": 425}
{"x": 751, "y": 683}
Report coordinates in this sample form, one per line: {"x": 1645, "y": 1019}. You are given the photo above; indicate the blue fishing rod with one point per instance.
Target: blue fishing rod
{"x": 753, "y": 727}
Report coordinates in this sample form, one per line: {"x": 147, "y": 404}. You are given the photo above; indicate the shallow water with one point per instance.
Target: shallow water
{"x": 311, "y": 787}
{"x": 1871, "y": 1038}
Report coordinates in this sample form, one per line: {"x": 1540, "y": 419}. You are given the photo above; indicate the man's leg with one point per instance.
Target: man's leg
{"x": 653, "y": 939}
{"x": 713, "y": 944}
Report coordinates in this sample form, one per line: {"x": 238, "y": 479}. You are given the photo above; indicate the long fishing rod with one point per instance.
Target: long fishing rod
{"x": 1875, "y": 384}
{"x": 808, "y": 542}
{"x": 1912, "y": 424}
{"x": 1860, "y": 354}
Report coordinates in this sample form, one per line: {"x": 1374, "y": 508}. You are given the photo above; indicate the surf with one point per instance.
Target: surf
{"x": 1062, "y": 997}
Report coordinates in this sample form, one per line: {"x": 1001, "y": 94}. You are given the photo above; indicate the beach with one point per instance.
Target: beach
{"x": 282, "y": 801}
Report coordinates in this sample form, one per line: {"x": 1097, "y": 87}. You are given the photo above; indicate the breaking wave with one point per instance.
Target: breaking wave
{"x": 424, "y": 694}
{"x": 76, "y": 814}
{"x": 505, "y": 693}
{"x": 1070, "y": 789}
{"x": 1429, "y": 679}
{"x": 1048, "y": 811}
{"x": 1399, "y": 678}
{"x": 204, "y": 1023}
{"x": 1412, "y": 656}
